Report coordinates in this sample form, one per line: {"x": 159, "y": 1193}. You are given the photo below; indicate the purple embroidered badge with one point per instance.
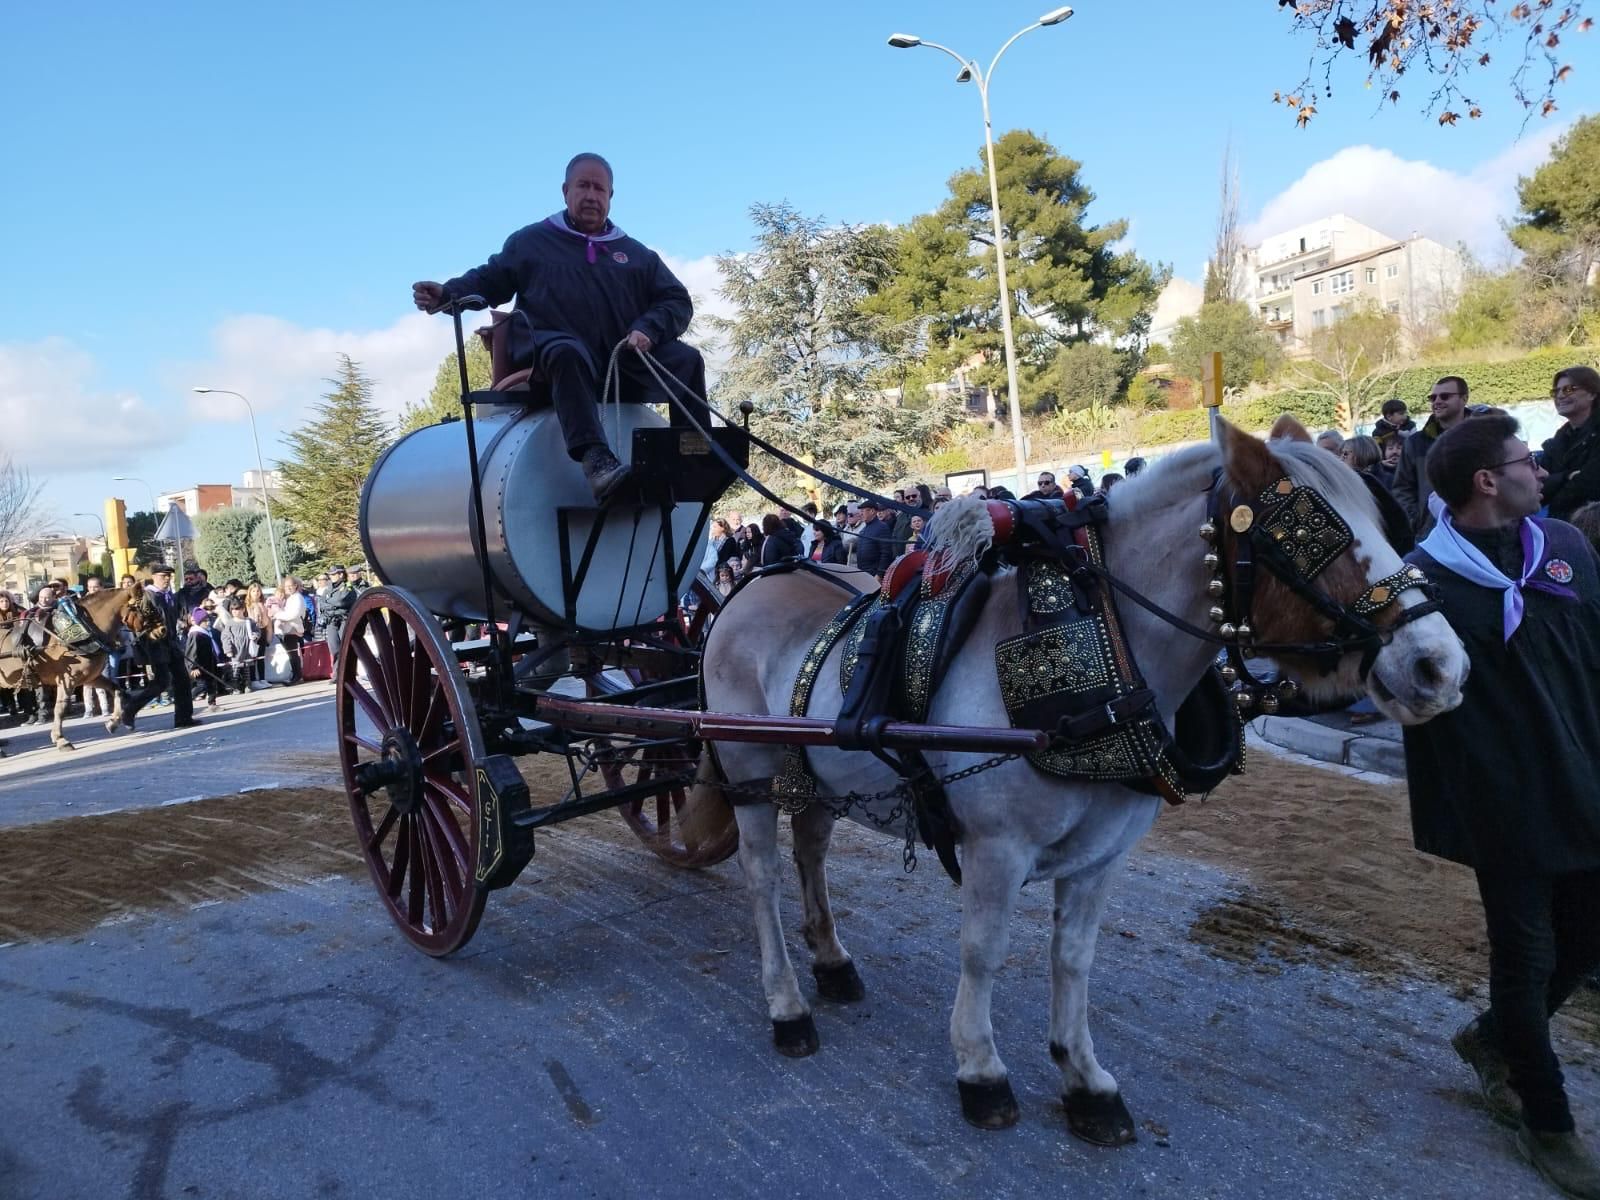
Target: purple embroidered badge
{"x": 1559, "y": 569}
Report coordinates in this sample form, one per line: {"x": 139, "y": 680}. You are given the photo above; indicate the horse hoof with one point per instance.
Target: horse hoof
{"x": 989, "y": 1105}
{"x": 111, "y": 726}
{"x": 796, "y": 1038}
{"x": 63, "y": 745}
{"x": 840, "y": 983}
{"x": 1099, "y": 1119}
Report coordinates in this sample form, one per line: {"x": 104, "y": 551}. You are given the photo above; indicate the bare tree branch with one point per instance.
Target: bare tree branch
{"x": 1444, "y": 41}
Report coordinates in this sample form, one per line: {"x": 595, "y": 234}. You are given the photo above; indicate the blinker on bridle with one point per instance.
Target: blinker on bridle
{"x": 1295, "y": 534}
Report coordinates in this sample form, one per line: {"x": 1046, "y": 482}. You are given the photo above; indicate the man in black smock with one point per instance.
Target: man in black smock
{"x": 581, "y": 286}
{"x": 1506, "y": 783}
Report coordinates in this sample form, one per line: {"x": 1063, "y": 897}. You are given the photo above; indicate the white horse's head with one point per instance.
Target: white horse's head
{"x": 1418, "y": 673}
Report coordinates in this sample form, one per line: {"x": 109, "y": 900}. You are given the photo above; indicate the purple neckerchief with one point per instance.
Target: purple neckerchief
{"x": 611, "y": 234}
{"x": 1453, "y": 552}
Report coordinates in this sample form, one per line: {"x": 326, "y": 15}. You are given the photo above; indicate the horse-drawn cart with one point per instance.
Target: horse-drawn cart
{"x": 588, "y": 653}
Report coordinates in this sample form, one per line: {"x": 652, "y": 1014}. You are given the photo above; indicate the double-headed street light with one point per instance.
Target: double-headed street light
{"x": 261, "y": 470}
{"x": 970, "y": 73}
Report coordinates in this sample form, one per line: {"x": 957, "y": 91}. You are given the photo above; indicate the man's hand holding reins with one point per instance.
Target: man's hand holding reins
{"x": 640, "y": 341}
{"x": 428, "y": 296}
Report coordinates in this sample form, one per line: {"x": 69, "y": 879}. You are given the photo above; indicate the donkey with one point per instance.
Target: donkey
{"x": 58, "y": 665}
{"x": 1018, "y": 824}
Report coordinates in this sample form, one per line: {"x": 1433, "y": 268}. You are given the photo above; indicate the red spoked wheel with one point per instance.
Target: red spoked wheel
{"x": 656, "y": 818}
{"x": 409, "y": 744}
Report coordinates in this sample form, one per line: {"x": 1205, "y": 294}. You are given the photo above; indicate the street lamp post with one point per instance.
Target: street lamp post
{"x": 261, "y": 470}
{"x": 970, "y": 72}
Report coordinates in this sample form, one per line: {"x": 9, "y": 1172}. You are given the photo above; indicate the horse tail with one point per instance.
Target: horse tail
{"x": 706, "y": 813}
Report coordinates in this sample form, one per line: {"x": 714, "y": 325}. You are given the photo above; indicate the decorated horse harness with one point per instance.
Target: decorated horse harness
{"x": 1070, "y": 670}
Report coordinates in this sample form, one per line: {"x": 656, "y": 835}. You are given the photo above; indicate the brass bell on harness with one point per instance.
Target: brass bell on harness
{"x": 1217, "y": 615}
{"x": 1243, "y": 700}
{"x": 1229, "y": 675}
{"x": 1245, "y": 632}
{"x": 1214, "y": 589}
{"x": 1269, "y": 703}
{"x": 1209, "y": 531}
{"x": 1211, "y": 560}
{"x": 1288, "y": 689}
{"x": 1226, "y": 631}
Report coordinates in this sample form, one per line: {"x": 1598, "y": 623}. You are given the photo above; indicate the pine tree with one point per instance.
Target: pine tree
{"x": 328, "y": 462}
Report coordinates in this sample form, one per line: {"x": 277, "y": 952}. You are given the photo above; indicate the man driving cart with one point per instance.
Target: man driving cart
{"x": 582, "y": 286}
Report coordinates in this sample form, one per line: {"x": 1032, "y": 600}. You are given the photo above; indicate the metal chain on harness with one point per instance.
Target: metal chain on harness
{"x": 903, "y": 811}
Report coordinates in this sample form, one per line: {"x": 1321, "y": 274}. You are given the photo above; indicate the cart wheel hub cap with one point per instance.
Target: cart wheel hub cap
{"x": 402, "y": 770}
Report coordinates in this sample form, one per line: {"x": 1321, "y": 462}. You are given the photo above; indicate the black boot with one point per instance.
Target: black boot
{"x": 603, "y": 473}
{"x": 1563, "y": 1160}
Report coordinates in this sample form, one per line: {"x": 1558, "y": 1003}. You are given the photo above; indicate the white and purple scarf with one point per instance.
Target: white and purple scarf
{"x": 611, "y": 234}
{"x": 1453, "y": 552}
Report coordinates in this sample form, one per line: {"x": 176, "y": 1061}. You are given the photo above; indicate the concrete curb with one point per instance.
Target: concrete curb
{"x": 1343, "y": 746}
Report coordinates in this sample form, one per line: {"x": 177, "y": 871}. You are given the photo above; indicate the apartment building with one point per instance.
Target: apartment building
{"x": 1306, "y": 278}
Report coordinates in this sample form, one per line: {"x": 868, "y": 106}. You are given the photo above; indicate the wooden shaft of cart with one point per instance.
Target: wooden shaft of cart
{"x": 586, "y": 716}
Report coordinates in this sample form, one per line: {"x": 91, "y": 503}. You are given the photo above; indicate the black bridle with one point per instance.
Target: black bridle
{"x": 1294, "y": 533}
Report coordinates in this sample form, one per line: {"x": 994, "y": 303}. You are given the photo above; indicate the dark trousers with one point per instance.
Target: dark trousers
{"x": 169, "y": 672}
{"x": 332, "y": 632}
{"x": 1544, "y": 939}
{"x": 291, "y": 643}
{"x": 575, "y": 385}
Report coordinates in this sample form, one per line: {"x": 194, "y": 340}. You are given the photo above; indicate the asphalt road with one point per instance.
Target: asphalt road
{"x": 604, "y": 1035}
{"x": 279, "y": 737}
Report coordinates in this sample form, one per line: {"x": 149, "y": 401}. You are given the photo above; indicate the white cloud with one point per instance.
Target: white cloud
{"x": 55, "y": 416}
{"x": 1400, "y": 196}
{"x": 284, "y": 366}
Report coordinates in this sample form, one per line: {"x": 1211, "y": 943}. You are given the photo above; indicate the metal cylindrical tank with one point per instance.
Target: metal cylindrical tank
{"x": 418, "y": 530}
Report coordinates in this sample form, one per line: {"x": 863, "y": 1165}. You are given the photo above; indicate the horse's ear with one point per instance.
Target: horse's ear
{"x": 1246, "y": 459}
{"x": 1287, "y": 428}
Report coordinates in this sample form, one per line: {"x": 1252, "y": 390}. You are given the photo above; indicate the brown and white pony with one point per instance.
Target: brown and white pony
{"x": 57, "y": 665}
{"x": 1019, "y": 824}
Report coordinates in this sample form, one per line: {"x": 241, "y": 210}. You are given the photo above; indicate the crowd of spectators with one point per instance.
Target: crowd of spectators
{"x": 860, "y": 534}
{"x": 235, "y": 637}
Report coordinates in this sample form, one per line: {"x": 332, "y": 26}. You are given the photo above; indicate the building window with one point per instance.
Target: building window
{"x": 1344, "y": 281}
{"x": 1319, "y": 318}
{"x": 1393, "y": 306}
{"x": 1390, "y": 271}
{"x": 1372, "y": 274}
{"x": 1316, "y": 287}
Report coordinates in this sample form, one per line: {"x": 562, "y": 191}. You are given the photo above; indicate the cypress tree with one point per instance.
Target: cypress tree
{"x": 328, "y": 461}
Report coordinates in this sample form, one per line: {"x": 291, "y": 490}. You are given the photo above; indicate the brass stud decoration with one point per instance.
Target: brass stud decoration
{"x": 1241, "y": 518}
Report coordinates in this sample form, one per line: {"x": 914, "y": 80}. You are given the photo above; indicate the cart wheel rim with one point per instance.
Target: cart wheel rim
{"x": 409, "y": 745}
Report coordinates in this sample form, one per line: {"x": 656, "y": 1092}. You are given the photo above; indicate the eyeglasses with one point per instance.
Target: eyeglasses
{"x": 1442, "y": 395}
{"x": 1566, "y": 389}
{"x": 1045, "y": 481}
{"x": 1511, "y": 462}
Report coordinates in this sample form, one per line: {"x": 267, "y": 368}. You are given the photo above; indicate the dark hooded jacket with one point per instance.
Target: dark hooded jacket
{"x": 591, "y": 290}
{"x": 1411, "y": 485}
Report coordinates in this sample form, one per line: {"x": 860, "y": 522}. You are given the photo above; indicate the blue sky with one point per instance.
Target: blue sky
{"x": 229, "y": 195}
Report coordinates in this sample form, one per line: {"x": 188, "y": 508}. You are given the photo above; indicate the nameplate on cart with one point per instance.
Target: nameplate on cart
{"x": 693, "y": 443}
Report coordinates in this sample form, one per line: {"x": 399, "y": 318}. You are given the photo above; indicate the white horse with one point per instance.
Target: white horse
{"x": 1018, "y": 824}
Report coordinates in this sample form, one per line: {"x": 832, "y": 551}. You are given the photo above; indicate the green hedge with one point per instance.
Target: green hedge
{"x": 1514, "y": 381}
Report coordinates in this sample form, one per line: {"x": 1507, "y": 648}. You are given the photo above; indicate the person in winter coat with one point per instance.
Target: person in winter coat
{"x": 1448, "y": 400}
{"x": 582, "y": 286}
{"x": 333, "y": 610}
{"x": 203, "y": 650}
{"x": 242, "y": 643}
{"x": 289, "y": 624}
{"x": 1572, "y": 456}
{"x": 1505, "y": 783}
{"x": 826, "y": 544}
{"x": 876, "y": 546}
{"x": 778, "y": 541}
